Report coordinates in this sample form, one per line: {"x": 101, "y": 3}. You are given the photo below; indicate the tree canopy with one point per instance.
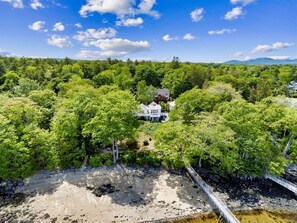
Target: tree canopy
{"x": 228, "y": 118}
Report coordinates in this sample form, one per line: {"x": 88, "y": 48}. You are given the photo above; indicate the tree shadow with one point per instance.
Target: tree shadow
{"x": 132, "y": 186}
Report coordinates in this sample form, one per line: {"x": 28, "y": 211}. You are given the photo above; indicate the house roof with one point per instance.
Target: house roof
{"x": 292, "y": 86}
{"x": 164, "y": 91}
{"x": 154, "y": 105}
{"x": 143, "y": 106}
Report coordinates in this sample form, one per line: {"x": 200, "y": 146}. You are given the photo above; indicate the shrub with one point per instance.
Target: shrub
{"x": 104, "y": 159}
{"x": 132, "y": 144}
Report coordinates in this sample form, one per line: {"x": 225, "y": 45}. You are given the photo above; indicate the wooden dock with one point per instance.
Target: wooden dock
{"x": 217, "y": 202}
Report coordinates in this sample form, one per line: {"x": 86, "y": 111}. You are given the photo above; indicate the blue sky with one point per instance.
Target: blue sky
{"x": 193, "y": 30}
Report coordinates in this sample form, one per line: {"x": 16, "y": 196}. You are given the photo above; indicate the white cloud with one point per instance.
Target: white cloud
{"x": 167, "y": 38}
{"x": 130, "y": 22}
{"x": 89, "y": 54}
{"x": 145, "y": 7}
{"x": 267, "y": 48}
{"x": 243, "y": 2}
{"x": 238, "y": 54}
{"x": 235, "y": 13}
{"x": 115, "y": 47}
{"x": 59, "y": 41}
{"x": 280, "y": 57}
{"x": 37, "y": 26}
{"x": 221, "y": 32}
{"x": 78, "y": 25}
{"x": 120, "y": 45}
{"x": 107, "y": 6}
{"x": 93, "y": 34}
{"x": 188, "y": 36}
{"x": 120, "y": 8}
{"x": 58, "y": 27}
{"x": 197, "y": 14}
{"x": 35, "y": 4}
{"x": 15, "y": 3}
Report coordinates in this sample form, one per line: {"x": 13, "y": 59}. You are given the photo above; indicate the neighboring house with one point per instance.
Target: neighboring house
{"x": 292, "y": 87}
{"x": 162, "y": 94}
{"x": 151, "y": 112}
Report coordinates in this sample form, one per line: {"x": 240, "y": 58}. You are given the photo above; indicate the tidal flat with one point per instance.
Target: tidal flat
{"x": 131, "y": 194}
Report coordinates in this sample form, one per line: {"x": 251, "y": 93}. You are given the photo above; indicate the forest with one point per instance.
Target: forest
{"x": 231, "y": 119}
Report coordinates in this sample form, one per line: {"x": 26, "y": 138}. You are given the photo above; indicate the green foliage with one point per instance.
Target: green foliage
{"x": 10, "y": 80}
{"x": 236, "y": 138}
{"x": 24, "y": 87}
{"x": 71, "y": 70}
{"x": 15, "y": 161}
{"x": 44, "y": 98}
{"x": 104, "y": 159}
{"x": 208, "y": 139}
{"x": 146, "y": 73}
{"x": 104, "y": 78}
{"x": 55, "y": 112}
{"x": 145, "y": 94}
{"x": 141, "y": 158}
{"x": 192, "y": 103}
{"x": 66, "y": 133}
{"x": 24, "y": 147}
{"x": 113, "y": 119}
{"x": 149, "y": 127}
{"x": 177, "y": 82}
{"x": 225, "y": 91}
{"x": 124, "y": 79}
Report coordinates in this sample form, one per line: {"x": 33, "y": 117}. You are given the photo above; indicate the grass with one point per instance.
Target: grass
{"x": 146, "y": 133}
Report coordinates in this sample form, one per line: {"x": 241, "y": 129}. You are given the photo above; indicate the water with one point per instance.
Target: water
{"x": 256, "y": 216}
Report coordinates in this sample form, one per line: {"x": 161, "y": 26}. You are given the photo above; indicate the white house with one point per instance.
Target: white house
{"x": 151, "y": 112}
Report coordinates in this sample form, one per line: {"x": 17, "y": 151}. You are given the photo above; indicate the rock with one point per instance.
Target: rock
{"x": 46, "y": 216}
{"x": 104, "y": 189}
{"x": 90, "y": 187}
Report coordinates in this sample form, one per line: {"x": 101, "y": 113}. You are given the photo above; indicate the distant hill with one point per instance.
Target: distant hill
{"x": 263, "y": 61}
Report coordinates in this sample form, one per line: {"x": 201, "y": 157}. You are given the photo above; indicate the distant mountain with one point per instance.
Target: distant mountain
{"x": 263, "y": 61}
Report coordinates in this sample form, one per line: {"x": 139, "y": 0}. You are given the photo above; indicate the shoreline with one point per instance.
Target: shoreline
{"x": 213, "y": 217}
{"x": 130, "y": 194}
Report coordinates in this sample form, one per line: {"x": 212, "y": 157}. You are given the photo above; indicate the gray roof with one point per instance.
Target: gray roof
{"x": 292, "y": 85}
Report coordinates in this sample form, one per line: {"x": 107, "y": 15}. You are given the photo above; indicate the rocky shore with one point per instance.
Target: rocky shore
{"x": 126, "y": 194}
